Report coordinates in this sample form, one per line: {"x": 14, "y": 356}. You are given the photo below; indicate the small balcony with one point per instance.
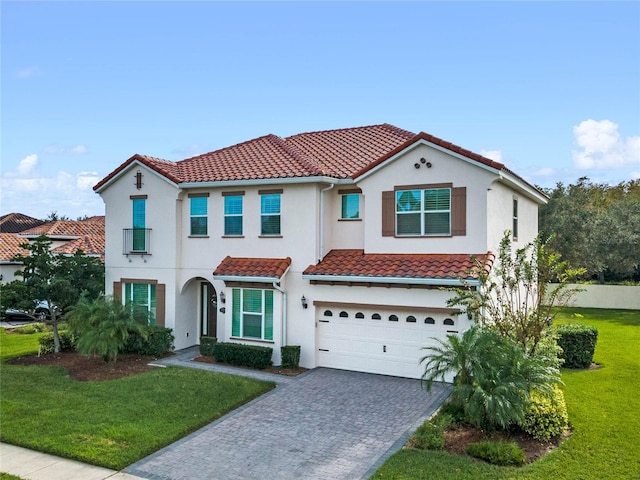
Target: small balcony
{"x": 136, "y": 241}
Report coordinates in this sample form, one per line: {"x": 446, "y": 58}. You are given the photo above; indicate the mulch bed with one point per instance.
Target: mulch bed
{"x": 289, "y": 372}
{"x": 90, "y": 368}
{"x": 456, "y": 441}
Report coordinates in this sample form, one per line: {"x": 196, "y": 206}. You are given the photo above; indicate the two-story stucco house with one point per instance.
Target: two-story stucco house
{"x": 338, "y": 241}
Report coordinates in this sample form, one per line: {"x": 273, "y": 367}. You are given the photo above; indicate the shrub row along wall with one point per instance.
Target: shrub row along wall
{"x": 607, "y": 296}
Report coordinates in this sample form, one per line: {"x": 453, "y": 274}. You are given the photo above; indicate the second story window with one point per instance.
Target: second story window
{"x": 515, "y": 219}
{"x": 139, "y": 224}
{"x": 233, "y": 215}
{"x": 198, "y": 212}
{"x": 270, "y": 214}
{"x": 350, "y": 206}
{"x": 423, "y": 212}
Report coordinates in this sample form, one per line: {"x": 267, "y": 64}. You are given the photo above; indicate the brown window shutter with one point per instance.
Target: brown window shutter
{"x": 117, "y": 291}
{"x": 388, "y": 214}
{"x": 160, "y": 297}
{"x": 459, "y": 211}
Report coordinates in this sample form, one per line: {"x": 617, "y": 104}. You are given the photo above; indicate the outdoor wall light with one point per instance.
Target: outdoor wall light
{"x": 223, "y": 299}
{"x": 303, "y": 300}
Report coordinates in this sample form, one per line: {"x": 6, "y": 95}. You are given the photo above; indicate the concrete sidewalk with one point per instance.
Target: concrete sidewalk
{"x": 32, "y": 465}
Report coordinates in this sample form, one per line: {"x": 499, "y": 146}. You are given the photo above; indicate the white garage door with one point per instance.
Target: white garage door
{"x": 379, "y": 341}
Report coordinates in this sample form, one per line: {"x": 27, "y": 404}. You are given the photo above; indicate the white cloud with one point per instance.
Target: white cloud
{"x": 635, "y": 175}
{"x": 27, "y": 72}
{"x": 600, "y": 145}
{"x": 495, "y": 155}
{"x": 27, "y": 165}
{"x": 26, "y": 190}
{"x": 57, "y": 149}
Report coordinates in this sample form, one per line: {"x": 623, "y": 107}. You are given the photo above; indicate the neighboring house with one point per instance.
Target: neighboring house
{"x": 67, "y": 237}
{"x": 338, "y": 241}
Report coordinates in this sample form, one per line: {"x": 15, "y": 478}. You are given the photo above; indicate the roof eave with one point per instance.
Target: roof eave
{"x": 443, "y": 282}
{"x": 133, "y": 161}
{"x": 246, "y": 278}
{"x": 268, "y": 181}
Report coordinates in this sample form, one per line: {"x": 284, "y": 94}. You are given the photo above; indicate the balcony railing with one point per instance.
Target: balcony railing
{"x": 136, "y": 241}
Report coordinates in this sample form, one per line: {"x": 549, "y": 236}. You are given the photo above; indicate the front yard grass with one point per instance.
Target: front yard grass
{"x": 111, "y": 423}
{"x": 603, "y": 407}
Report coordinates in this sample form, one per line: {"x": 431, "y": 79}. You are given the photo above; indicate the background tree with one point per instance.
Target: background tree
{"x": 58, "y": 280}
{"x": 596, "y": 226}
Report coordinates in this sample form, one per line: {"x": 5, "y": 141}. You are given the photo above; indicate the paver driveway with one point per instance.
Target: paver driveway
{"x": 327, "y": 424}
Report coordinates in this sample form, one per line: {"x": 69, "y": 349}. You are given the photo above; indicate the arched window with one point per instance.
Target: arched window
{"x": 411, "y": 319}
{"x": 359, "y": 315}
{"x": 328, "y": 313}
{"x": 393, "y": 318}
{"x": 429, "y": 320}
{"x": 344, "y": 314}
{"x": 448, "y": 321}
{"x": 376, "y": 316}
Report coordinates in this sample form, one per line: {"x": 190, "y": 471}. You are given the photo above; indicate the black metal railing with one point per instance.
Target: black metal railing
{"x": 136, "y": 241}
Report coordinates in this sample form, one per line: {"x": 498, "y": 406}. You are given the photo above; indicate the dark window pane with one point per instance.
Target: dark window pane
{"x": 271, "y": 225}
{"x": 233, "y": 225}
{"x": 198, "y": 225}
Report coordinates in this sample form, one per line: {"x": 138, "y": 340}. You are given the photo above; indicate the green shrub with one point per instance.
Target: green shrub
{"x": 428, "y": 436}
{"x": 455, "y": 410}
{"x": 445, "y": 421}
{"x": 547, "y": 415}
{"x": 206, "y": 345}
{"x": 498, "y": 453}
{"x": 290, "y": 356}
{"x": 31, "y": 328}
{"x": 578, "y": 343}
{"x": 67, "y": 342}
{"x": 158, "y": 341}
{"x": 243, "y": 355}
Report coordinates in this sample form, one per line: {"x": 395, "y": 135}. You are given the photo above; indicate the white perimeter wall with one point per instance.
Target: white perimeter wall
{"x": 607, "y": 296}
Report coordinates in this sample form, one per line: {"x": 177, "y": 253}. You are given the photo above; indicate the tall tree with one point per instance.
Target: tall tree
{"x": 58, "y": 280}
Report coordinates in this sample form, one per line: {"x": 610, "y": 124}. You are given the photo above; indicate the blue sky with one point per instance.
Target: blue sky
{"x": 551, "y": 89}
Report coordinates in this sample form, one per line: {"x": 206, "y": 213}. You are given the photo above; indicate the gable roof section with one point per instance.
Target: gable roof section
{"x": 67, "y": 228}
{"x": 17, "y": 222}
{"x": 252, "y": 269}
{"x": 10, "y": 247}
{"x": 92, "y": 245}
{"x": 433, "y": 269}
{"x": 346, "y": 153}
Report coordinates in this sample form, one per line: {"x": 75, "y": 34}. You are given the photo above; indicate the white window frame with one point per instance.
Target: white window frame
{"x": 422, "y": 213}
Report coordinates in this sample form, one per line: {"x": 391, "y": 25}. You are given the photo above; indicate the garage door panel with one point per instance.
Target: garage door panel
{"x": 379, "y": 345}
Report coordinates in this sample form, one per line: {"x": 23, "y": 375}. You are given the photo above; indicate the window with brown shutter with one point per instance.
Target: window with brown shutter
{"x": 459, "y": 211}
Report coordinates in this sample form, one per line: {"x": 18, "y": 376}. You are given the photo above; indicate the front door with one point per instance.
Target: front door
{"x": 208, "y": 310}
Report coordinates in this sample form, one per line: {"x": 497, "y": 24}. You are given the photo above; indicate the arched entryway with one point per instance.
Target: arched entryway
{"x": 208, "y": 310}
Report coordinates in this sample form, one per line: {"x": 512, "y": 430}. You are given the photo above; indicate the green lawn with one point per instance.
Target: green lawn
{"x": 111, "y": 423}
{"x": 603, "y": 406}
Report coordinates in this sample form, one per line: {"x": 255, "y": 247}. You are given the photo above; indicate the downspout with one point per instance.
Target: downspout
{"x": 321, "y": 229}
{"x": 283, "y": 307}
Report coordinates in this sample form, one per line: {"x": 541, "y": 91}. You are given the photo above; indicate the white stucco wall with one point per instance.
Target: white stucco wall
{"x": 445, "y": 169}
{"x": 625, "y": 297}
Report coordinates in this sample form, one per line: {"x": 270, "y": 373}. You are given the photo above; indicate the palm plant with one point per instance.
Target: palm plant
{"x": 493, "y": 376}
{"x": 103, "y": 326}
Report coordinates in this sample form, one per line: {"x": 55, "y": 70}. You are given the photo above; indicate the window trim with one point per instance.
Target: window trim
{"x": 198, "y": 197}
{"x": 344, "y": 197}
{"x": 233, "y": 215}
{"x": 422, "y": 210}
{"x": 263, "y": 194}
{"x": 514, "y": 218}
{"x": 264, "y": 314}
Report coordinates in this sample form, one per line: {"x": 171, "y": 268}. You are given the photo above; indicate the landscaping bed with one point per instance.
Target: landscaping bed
{"x": 289, "y": 372}
{"x": 90, "y": 368}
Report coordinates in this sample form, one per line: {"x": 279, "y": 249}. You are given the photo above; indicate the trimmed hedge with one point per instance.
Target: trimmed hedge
{"x": 241, "y": 355}
{"x": 578, "y": 344}
{"x": 67, "y": 342}
{"x": 290, "y": 356}
{"x": 498, "y": 453}
{"x": 159, "y": 340}
{"x": 206, "y": 345}
{"x": 546, "y": 416}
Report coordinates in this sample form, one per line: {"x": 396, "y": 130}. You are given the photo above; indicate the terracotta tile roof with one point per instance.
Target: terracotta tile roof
{"x": 10, "y": 246}
{"x": 17, "y": 222}
{"x": 355, "y": 263}
{"x": 68, "y": 228}
{"x": 90, "y": 244}
{"x": 341, "y": 153}
{"x": 252, "y": 267}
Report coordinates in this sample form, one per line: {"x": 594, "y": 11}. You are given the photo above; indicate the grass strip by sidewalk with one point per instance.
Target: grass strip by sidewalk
{"x": 116, "y": 422}
{"x": 603, "y": 409}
